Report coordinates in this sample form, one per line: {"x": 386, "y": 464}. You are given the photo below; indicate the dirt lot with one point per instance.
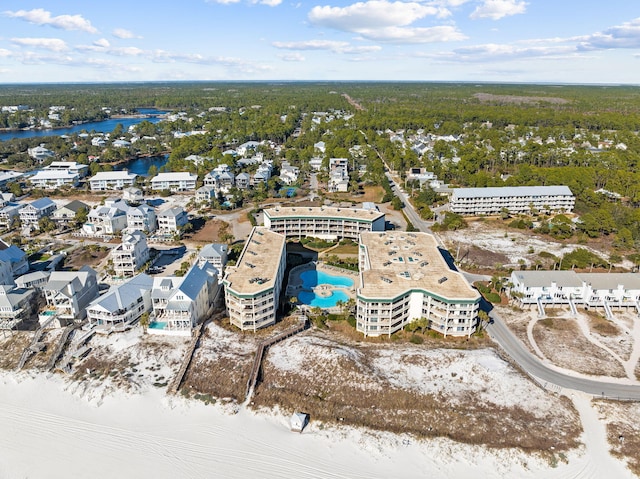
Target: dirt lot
{"x": 210, "y": 232}
{"x": 90, "y": 255}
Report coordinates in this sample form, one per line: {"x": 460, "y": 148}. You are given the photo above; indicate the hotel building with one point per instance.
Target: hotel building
{"x": 253, "y": 286}
{"x": 323, "y": 222}
{"x": 403, "y": 277}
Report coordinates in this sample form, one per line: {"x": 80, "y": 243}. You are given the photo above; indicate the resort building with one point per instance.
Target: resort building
{"x": 404, "y": 277}
{"x": 68, "y": 293}
{"x": 323, "y": 222}
{"x": 253, "y": 285}
{"x": 179, "y": 303}
{"x": 130, "y": 255}
{"x": 174, "y": 182}
{"x": 112, "y": 180}
{"x": 604, "y": 290}
{"x": 513, "y": 199}
{"x": 122, "y": 304}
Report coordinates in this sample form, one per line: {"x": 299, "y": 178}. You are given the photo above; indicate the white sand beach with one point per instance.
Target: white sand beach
{"x": 51, "y": 431}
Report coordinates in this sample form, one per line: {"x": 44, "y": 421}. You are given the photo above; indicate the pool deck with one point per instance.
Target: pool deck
{"x": 295, "y": 284}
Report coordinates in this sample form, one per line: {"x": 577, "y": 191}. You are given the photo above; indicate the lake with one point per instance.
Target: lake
{"x": 140, "y": 166}
{"x": 104, "y": 126}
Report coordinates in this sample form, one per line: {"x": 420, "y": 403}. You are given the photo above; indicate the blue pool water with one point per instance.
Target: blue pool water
{"x": 310, "y": 298}
{"x": 158, "y": 325}
{"x": 312, "y": 278}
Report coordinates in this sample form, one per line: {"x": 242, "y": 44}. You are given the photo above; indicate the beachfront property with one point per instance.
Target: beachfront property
{"x": 130, "y": 255}
{"x": 323, "y": 222}
{"x": 513, "y": 199}
{"x": 174, "y": 182}
{"x": 68, "y": 293}
{"x": 604, "y": 290}
{"x": 54, "y": 179}
{"x": 112, "y": 180}
{"x": 253, "y": 285}
{"x": 66, "y": 215}
{"x": 123, "y": 304}
{"x": 216, "y": 255}
{"x": 32, "y": 213}
{"x": 404, "y": 277}
{"x": 171, "y": 220}
{"x": 16, "y": 305}
{"x": 179, "y": 303}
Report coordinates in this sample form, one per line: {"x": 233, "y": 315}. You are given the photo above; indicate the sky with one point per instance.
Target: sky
{"x": 557, "y": 41}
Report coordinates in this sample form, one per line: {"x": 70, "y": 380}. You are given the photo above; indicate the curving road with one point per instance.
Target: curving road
{"x": 531, "y": 364}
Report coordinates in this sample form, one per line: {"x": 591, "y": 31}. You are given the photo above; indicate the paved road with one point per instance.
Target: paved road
{"x": 532, "y": 365}
{"x": 500, "y": 333}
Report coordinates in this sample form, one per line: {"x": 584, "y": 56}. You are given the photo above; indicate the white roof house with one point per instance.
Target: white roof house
{"x": 123, "y": 304}
{"x": 177, "y": 181}
{"x": 54, "y": 179}
{"x": 40, "y": 153}
{"x": 112, "y": 180}
{"x": 70, "y": 166}
{"x": 9, "y": 177}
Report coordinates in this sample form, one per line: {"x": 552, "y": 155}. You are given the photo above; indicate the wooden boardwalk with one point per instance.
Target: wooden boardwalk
{"x": 33, "y": 345}
{"x": 62, "y": 343}
{"x": 262, "y": 347}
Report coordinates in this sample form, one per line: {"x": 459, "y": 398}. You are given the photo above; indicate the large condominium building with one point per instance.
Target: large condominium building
{"x": 323, "y": 222}
{"x": 404, "y": 277}
{"x": 112, "y": 180}
{"x": 514, "y": 199}
{"x": 252, "y": 287}
{"x": 175, "y": 181}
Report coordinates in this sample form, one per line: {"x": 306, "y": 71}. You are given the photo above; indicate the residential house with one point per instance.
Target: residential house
{"x": 108, "y": 219}
{"x": 40, "y": 153}
{"x": 243, "y": 180}
{"x": 212, "y": 180}
{"x": 130, "y": 255}
{"x": 171, "y": 220}
{"x": 181, "y": 302}
{"x": 31, "y": 214}
{"x": 10, "y": 215}
{"x": 141, "y": 218}
{"x": 16, "y": 305}
{"x": 177, "y": 181}
{"x": 132, "y": 194}
{"x": 123, "y": 304}
{"x": 7, "y": 177}
{"x": 216, "y": 255}
{"x": 71, "y": 166}
{"x": 68, "y": 293}
{"x": 14, "y": 256}
{"x": 66, "y": 215}
{"x": 35, "y": 280}
{"x": 289, "y": 174}
{"x": 112, "y": 180}
{"x": 205, "y": 194}
{"x": 247, "y": 148}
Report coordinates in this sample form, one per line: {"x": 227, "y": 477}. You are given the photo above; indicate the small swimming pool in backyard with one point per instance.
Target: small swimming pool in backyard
{"x": 158, "y": 325}
{"x": 312, "y": 278}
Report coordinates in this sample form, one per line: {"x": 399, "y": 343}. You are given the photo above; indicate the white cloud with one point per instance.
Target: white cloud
{"x": 4, "y": 53}
{"x": 39, "y": 16}
{"x": 497, "y": 9}
{"x": 124, "y": 33}
{"x": 292, "y": 57}
{"x": 330, "y": 45}
{"x": 53, "y": 44}
{"x": 369, "y": 15}
{"x": 443, "y": 33}
{"x": 102, "y": 43}
{"x": 626, "y": 35}
{"x": 268, "y": 3}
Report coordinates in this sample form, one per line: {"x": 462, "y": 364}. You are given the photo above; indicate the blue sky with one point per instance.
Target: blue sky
{"x": 571, "y": 41}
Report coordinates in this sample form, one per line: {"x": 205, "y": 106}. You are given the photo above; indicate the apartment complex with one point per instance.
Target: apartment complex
{"x": 175, "y": 181}
{"x": 112, "y": 180}
{"x": 514, "y": 199}
{"x": 253, "y": 286}
{"x": 323, "y": 222}
{"x": 403, "y": 277}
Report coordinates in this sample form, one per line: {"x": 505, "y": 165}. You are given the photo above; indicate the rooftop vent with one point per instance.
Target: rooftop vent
{"x": 442, "y": 280}
{"x": 386, "y": 280}
{"x": 424, "y": 263}
{"x": 250, "y": 265}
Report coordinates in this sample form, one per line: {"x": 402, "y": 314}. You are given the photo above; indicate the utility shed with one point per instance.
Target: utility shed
{"x": 298, "y": 421}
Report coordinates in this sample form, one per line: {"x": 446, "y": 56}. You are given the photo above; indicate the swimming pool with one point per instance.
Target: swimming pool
{"x": 313, "y": 300}
{"x": 158, "y": 325}
{"x": 312, "y": 278}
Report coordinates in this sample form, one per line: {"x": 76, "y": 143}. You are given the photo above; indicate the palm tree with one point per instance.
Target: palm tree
{"x": 144, "y": 322}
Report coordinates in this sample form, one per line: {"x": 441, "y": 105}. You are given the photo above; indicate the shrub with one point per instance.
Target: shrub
{"x": 493, "y": 297}
{"x": 415, "y": 339}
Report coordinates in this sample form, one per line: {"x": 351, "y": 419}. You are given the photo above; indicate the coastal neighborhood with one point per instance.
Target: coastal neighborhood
{"x": 272, "y": 271}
